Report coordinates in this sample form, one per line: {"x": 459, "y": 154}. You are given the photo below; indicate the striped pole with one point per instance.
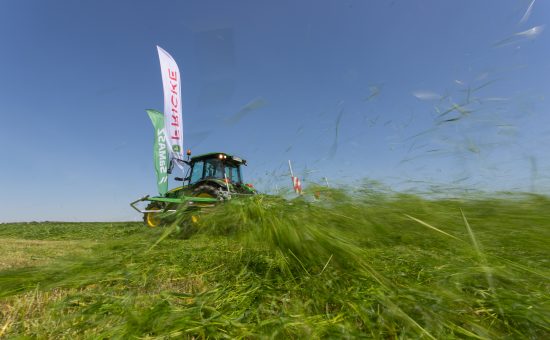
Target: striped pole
{"x": 296, "y": 185}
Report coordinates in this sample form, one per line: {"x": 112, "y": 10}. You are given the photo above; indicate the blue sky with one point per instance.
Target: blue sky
{"x": 269, "y": 81}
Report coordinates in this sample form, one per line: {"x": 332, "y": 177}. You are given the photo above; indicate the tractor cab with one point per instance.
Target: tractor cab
{"x": 217, "y": 169}
{"x": 215, "y": 166}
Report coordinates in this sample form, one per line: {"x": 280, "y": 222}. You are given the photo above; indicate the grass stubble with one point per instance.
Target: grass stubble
{"x": 352, "y": 264}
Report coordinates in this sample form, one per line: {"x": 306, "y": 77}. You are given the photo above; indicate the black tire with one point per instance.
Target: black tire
{"x": 205, "y": 190}
{"x": 190, "y": 222}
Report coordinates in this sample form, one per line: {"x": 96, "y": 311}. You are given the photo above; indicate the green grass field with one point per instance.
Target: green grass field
{"x": 362, "y": 264}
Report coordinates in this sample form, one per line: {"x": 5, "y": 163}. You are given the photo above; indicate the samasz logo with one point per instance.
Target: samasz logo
{"x": 163, "y": 162}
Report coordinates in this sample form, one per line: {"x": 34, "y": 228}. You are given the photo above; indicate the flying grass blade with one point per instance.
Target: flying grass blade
{"x": 432, "y": 227}
{"x": 527, "y": 13}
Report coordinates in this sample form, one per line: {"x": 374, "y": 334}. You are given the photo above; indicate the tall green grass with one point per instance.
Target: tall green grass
{"x": 350, "y": 264}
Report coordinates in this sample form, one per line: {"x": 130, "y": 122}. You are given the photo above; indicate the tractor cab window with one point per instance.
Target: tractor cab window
{"x": 213, "y": 168}
{"x": 233, "y": 173}
{"x": 197, "y": 172}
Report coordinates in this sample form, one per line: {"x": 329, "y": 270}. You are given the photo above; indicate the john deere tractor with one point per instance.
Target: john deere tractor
{"x": 210, "y": 178}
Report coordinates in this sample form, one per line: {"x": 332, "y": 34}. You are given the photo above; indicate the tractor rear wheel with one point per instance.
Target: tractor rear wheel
{"x": 203, "y": 191}
{"x": 152, "y": 219}
{"x": 206, "y": 191}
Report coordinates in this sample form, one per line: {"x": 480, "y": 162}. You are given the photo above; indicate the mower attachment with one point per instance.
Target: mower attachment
{"x": 181, "y": 200}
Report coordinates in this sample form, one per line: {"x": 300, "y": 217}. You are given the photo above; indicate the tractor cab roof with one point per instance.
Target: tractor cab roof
{"x": 218, "y": 155}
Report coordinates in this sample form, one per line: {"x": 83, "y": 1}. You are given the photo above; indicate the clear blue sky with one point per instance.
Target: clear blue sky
{"x": 269, "y": 81}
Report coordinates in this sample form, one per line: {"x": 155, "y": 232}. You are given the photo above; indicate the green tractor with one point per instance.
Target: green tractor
{"x": 210, "y": 178}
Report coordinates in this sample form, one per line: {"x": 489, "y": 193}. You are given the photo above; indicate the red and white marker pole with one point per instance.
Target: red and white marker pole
{"x": 296, "y": 185}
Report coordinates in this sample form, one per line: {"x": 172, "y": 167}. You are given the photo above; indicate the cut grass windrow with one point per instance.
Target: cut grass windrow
{"x": 352, "y": 264}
